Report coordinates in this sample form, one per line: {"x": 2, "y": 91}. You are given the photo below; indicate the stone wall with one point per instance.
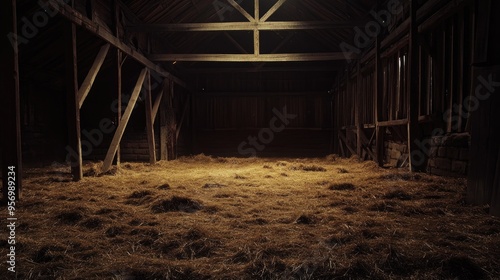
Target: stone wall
{"x": 449, "y": 155}
{"x": 396, "y": 154}
{"x": 133, "y": 147}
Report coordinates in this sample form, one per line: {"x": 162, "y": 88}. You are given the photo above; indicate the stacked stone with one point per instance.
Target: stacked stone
{"x": 395, "y": 153}
{"x": 449, "y": 155}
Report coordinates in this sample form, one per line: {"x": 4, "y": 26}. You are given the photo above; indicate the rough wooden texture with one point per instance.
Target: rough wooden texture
{"x": 73, "y": 108}
{"x": 94, "y": 70}
{"x": 123, "y": 122}
{"x": 149, "y": 122}
{"x": 483, "y": 185}
{"x": 10, "y": 112}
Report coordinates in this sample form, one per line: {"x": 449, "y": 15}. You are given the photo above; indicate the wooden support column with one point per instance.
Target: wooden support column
{"x": 117, "y": 61}
{"x": 149, "y": 122}
{"x": 359, "y": 125}
{"x": 124, "y": 121}
{"x": 379, "y": 130}
{"x": 171, "y": 124}
{"x": 163, "y": 120}
{"x": 73, "y": 109}
{"x": 416, "y": 162}
{"x": 256, "y": 32}
{"x": 10, "y": 112}
{"x": 118, "y": 85}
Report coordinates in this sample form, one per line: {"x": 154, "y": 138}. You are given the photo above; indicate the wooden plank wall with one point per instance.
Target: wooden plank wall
{"x": 223, "y": 121}
{"x": 443, "y": 78}
{"x": 484, "y": 172}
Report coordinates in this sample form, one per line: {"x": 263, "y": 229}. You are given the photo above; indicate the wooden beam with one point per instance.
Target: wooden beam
{"x": 379, "y": 130}
{"x": 256, "y": 32}
{"x": 451, "y": 8}
{"x": 73, "y": 108}
{"x": 413, "y": 88}
{"x": 241, "y": 26}
{"x": 149, "y": 122}
{"x": 256, "y": 10}
{"x": 359, "y": 126}
{"x": 117, "y": 137}
{"x": 10, "y": 112}
{"x": 367, "y": 145}
{"x": 156, "y": 105}
{"x": 402, "y": 29}
{"x": 118, "y": 59}
{"x": 80, "y": 20}
{"x": 273, "y": 9}
{"x": 241, "y": 10}
{"x": 261, "y": 69}
{"x": 283, "y": 57}
{"x": 94, "y": 70}
{"x": 256, "y": 42}
{"x": 163, "y": 120}
{"x": 393, "y": 123}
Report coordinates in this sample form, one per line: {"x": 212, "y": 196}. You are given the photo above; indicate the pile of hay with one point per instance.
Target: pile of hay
{"x": 225, "y": 218}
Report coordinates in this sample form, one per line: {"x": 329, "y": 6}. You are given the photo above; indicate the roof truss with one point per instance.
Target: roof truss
{"x": 256, "y": 24}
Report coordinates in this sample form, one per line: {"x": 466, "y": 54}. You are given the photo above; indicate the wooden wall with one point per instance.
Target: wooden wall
{"x": 484, "y": 175}
{"x": 444, "y": 80}
{"x": 456, "y": 52}
{"x": 224, "y": 121}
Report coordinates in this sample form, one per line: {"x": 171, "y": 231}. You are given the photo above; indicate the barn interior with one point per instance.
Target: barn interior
{"x": 248, "y": 139}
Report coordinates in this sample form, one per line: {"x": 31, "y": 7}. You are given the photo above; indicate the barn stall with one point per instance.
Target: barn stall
{"x": 250, "y": 140}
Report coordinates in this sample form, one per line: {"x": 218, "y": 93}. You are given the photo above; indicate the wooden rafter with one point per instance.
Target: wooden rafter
{"x": 253, "y": 57}
{"x": 241, "y": 10}
{"x": 241, "y": 26}
{"x": 80, "y": 20}
{"x": 273, "y": 9}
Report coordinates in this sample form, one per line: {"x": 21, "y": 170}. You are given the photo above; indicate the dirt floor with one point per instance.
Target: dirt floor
{"x": 228, "y": 218}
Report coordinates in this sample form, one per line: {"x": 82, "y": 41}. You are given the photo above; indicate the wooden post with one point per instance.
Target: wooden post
{"x": 74, "y": 148}
{"x": 10, "y": 112}
{"x": 118, "y": 60}
{"x": 415, "y": 163}
{"x": 256, "y": 33}
{"x": 171, "y": 124}
{"x": 118, "y": 80}
{"x": 359, "y": 125}
{"x": 379, "y": 131}
{"x": 124, "y": 121}
{"x": 149, "y": 122}
{"x": 163, "y": 120}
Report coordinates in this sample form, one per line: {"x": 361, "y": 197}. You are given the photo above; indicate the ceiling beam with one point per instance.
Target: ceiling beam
{"x": 265, "y": 69}
{"x": 241, "y": 10}
{"x": 283, "y": 57}
{"x": 80, "y": 20}
{"x": 273, "y": 9}
{"x": 242, "y": 26}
